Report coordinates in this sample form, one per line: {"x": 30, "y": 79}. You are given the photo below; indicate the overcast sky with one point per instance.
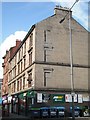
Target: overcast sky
{"x": 18, "y": 16}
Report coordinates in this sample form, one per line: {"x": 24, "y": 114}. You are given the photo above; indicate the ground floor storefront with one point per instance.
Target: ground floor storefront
{"x": 47, "y": 103}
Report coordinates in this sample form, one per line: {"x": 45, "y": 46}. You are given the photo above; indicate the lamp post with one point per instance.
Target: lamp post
{"x": 71, "y": 58}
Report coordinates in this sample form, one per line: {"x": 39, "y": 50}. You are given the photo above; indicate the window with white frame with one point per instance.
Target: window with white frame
{"x": 22, "y": 51}
{"x": 47, "y": 76}
{"x": 31, "y": 41}
{"x": 29, "y": 78}
{"x": 21, "y": 65}
{"x": 15, "y": 71}
{"x": 24, "y": 62}
{"x": 30, "y": 57}
{"x": 15, "y": 59}
{"x": 44, "y": 55}
{"x": 24, "y": 47}
{"x": 18, "y": 68}
{"x": 44, "y": 35}
{"x": 18, "y": 85}
{"x": 14, "y": 86}
{"x": 23, "y": 81}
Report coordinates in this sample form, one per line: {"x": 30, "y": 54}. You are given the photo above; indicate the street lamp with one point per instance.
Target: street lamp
{"x": 71, "y": 58}
{"x": 68, "y": 12}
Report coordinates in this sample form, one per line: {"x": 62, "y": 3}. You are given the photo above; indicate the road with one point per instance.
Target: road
{"x": 25, "y": 118}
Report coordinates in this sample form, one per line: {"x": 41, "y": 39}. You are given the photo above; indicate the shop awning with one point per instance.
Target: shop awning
{"x": 22, "y": 95}
{"x": 31, "y": 94}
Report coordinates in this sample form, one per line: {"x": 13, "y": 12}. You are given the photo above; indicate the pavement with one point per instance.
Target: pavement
{"x": 21, "y": 117}
{"x": 15, "y": 117}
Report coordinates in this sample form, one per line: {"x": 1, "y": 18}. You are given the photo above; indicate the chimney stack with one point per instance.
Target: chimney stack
{"x": 59, "y": 10}
{"x": 18, "y": 42}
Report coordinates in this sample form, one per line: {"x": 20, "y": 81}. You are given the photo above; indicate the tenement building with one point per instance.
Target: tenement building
{"x": 5, "y": 65}
{"x": 40, "y": 72}
{"x": 0, "y": 91}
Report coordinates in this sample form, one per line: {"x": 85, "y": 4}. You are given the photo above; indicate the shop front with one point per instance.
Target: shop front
{"x": 5, "y": 106}
{"x": 15, "y": 107}
{"x": 53, "y": 104}
{"x": 22, "y": 103}
{"x": 55, "y": 101}
{"x": 10, "y": 104}
{"x": 31, "y": 98}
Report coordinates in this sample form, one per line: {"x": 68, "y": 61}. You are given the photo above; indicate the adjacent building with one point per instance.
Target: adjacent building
{"x": 5, "y": 66}
{"x": 0, "y": 91}
{"x": 39, "y": 70}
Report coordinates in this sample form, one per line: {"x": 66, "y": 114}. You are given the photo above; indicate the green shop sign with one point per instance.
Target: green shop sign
{"x": 22, "y": 95}
{"x": 58, "y": 98}
{"x": 31, "y": 94}
{"x": 35, "y": 108}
